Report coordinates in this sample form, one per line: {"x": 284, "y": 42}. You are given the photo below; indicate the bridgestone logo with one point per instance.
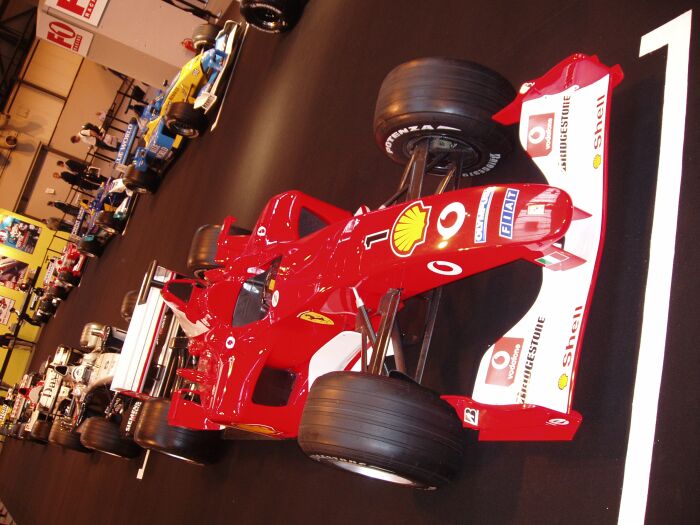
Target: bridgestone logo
{"x": 530, "y": 360}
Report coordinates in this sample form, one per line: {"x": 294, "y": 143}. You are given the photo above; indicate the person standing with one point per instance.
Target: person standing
{"x": 68, "y": 209}
{"x": 76, "y": 180}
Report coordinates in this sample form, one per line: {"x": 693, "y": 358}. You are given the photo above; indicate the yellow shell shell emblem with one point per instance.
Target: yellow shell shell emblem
{"x": 315, "y": 317}
{"x": 409, "y": 229}
{"x": 563, "y": 381}
{"x": 597, "y": 160}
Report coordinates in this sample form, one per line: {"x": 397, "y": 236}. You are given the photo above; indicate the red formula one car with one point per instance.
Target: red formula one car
{"x": 291, "y": 326}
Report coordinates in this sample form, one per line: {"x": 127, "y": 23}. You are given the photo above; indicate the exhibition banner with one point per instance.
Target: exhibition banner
{"x": 18, "y": 234}
{"x": 89, "y": 11}
{"x": 63, "y": 34}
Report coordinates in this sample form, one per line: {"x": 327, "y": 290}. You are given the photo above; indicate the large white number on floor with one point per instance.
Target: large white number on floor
{"x": 676, "y": 35}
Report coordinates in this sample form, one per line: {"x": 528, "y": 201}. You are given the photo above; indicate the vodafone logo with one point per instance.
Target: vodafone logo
{"x": 504, "y": 361}
{"x": 539, "y": 134}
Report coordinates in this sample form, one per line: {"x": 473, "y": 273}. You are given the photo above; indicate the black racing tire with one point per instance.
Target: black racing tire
{"x": 59, "y": 292}
{"x": 40, "y": 431}
{"x": 128, "y": 304}
{"x": 106, "y": 221}
{"x": 41, "y": 317}
{"x": 46, "y": 305}
{"x": 63, "y": 436}
{"x": 200, "y": 258}
{"x": 142, "y": 181}
{"x": 68, "y": 278}
{"x": 204, "y": 36}
{"x": 183, "y": 119}
{"x": 102, "y": 435}
{"x": 419, "y": 96}
{"x": 153, "y": 432}
{"x": 385, "y": 428}
{"x": 272, "y": 16}
{"x": 91, "y": 247}
{"x": 23, "y": 433}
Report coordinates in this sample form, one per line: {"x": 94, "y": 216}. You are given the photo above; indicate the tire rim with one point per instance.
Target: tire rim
{"x": 268, "y": 18}
{"x": 369, "y": 471}
{"x": 471, "y": 157}
{"x": 183, "y": 129}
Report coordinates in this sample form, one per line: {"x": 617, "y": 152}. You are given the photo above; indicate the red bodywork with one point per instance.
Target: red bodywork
{"x": 312, "y": 255}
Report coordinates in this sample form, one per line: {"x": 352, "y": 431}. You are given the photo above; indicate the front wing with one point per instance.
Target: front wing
{"x": 525, "y": 381}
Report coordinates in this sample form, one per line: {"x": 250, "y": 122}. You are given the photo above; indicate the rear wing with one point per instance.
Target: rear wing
{"x": 525, "y": 381}
{"x": 150, "y": 330}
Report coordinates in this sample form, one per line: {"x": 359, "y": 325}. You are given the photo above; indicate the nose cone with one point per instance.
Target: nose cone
{"x": 532, "y": 213}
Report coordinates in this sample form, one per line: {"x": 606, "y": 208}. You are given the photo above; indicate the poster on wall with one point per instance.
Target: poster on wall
{"x": 18, "y": 234}
{"x": 6, "y": 304}
{"x": 89, "y": 11}
{"x": 63, "y": 34}
{"x": 12, "y": 272}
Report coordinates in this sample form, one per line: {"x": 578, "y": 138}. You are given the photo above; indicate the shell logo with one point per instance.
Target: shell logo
{"x": 409, "y": 229}
{"x": 563, "y": 381}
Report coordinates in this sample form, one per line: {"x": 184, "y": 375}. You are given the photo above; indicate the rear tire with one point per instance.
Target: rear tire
{"x": 384, "y": 428}
{"x": 272, "y": 16}
{"x": 68, "y": 278}
{"x": 447, "y": 99}
{"x": 106, "y": 221}
{"x": 65, "y": 437}
{"x": 40, "y": 431}
{"x": 102, "y": 435}
{"x": 204, "y": 37}
{"x": 203, "y": 250}
{"x": 90, "y": 247}
{"x": 128, "y": 304}
{"x": 153, "y": 432}
{"x": 183, "y": 119}
{"x": 141, "y": 181}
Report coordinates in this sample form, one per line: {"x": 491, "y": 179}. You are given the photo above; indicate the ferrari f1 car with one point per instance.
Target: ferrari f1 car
{"x": 180, "y": 112}
{"x": 290, "y": 327}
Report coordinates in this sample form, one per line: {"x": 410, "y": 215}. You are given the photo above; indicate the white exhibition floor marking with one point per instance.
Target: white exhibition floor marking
{"x": 142, "y": 470}
{"x": 676, "y": 35}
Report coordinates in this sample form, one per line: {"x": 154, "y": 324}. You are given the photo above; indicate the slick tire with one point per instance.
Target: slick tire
{"x": 102, "y": 435}
{"x": 272, "y": 16}
{"x": 128, "y": 304}
{"x": 200, "y": 258}
{"x": 141, "y": 181}
{"x": 40, "y": 431}
{"x": 91, "y": 247}
{"x": 59, "y": 292}
{"x": 384, "y": 428}
{"x": 106, "y": 221}
{"x": 204, "y": 36}
{"x": 153, "y": 432}
{"x": 184, "y": 119}
{"x": 66, "y": 438}
{"x": 68, "y": 278}
{"x": 448, "y": 99}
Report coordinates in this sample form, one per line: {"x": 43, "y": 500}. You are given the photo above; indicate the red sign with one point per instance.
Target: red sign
{"x": 504, "y": 361}
{"x": 89, "y": 11}
{"x": 63, "y": 34}
{"x": 539, "y": 134}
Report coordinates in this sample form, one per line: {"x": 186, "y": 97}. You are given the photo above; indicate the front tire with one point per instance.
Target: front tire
{"x": 63, "y": 436}
{"x": 203, "y": 247}
{"x": 102, "y": 435}
{"x": 272, "y": 16}
{"x": 204, "y": 37}
{"x": 141, "y": 181}
{"x": 153, "y": 432}
{"x": 390, "y": 429}
{"x": 90, "y": 247}
{"x": 183, "y": 119}
{"x": 106, "y": 221}
{"x": 68, "y": 278}
{"x": 40, "y": 431}
{"x": 449, "y": 100}
{"x": 128, "y": 304}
